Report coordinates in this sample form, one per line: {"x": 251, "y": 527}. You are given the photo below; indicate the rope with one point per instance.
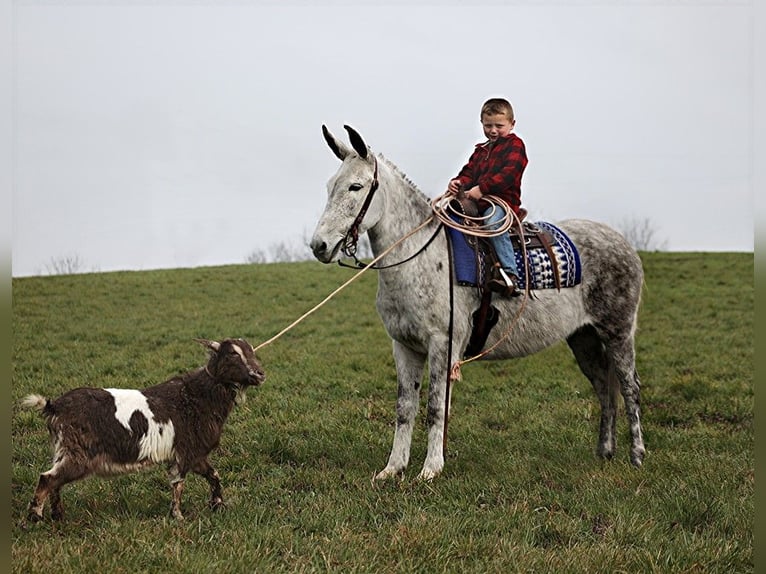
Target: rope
{"x": 443, "y": 208}
{"x": 339, "y": 289}
{"x": 476, "y": 226}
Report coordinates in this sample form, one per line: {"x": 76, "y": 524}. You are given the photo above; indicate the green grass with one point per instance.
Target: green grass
{"x": 522, "y": 490}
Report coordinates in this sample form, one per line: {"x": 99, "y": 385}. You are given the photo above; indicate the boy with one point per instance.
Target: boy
{"x": 495, "y": 168}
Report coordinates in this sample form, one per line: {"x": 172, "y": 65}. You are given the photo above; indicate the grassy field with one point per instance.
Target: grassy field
{"x": 522, "y": 489}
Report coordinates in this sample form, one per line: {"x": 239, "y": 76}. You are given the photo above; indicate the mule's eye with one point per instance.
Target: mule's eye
{"x": 355, "y": 187}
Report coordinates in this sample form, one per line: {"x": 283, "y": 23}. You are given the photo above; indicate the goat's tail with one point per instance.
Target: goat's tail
{"x": 38, "y": 402}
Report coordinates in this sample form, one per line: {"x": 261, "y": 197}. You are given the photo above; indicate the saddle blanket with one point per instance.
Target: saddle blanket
{"x": 470, "y": 272}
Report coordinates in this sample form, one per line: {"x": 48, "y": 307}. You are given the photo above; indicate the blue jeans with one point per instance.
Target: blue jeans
{"x": 501, "y": 243}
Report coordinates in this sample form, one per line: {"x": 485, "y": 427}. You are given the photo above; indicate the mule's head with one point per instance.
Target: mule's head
{"x": 347, "y": 191}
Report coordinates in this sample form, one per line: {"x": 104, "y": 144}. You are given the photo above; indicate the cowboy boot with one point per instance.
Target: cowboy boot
{"x": 506, "y": 285}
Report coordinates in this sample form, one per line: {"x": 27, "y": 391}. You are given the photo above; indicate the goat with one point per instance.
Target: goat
{"x": 108, "y": 432}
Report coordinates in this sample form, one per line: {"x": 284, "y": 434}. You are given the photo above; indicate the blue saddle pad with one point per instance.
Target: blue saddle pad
{"x": 470, "y": 271}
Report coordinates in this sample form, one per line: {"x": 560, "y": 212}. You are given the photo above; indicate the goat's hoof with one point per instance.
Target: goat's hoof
{"x": 217, "y": 505}
{"x": 33, "y": 517}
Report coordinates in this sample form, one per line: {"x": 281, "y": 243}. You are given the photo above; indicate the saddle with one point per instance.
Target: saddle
{"x": 487, "y": 315}
{"x": 545, "y": 256}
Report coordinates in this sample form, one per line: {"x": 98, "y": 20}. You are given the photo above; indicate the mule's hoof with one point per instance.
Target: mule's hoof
{"x": 605, "y": 454}
{"x": 388, "y": 472}
{"x": 428, "y": 474}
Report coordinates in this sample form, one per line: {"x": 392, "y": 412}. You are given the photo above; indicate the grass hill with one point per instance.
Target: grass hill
{"x": 522, "y": 489}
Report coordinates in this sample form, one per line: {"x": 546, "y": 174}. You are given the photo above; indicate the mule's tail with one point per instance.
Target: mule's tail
{"x": 37, "y": 402}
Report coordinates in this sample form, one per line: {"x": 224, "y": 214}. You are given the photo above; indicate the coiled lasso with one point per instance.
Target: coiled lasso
{"x": 444, "y": 208}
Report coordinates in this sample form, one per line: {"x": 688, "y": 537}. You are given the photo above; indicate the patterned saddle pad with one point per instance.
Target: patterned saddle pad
{"x": 469, "y": 271}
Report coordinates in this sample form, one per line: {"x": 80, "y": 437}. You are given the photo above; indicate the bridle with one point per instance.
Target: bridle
{"x": 350, "y": 240}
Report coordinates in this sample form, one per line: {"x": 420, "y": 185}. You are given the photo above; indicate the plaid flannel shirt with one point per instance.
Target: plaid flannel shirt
{"x": 497, "y": 169}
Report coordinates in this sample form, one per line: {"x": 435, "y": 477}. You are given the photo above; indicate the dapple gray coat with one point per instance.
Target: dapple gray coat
{"x": 597, "y": 318}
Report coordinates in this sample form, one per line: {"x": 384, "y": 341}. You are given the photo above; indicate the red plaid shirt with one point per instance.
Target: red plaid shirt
{"x": 497, "y": 169}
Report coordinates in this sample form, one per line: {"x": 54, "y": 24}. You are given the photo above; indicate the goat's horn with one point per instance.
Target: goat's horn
{"x": 212, "y": 345}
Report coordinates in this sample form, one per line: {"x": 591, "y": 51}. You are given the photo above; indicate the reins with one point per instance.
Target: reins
{"x": 359, "y": 265}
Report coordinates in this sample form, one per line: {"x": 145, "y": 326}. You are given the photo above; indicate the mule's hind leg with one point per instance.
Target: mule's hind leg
{"x": 623, "y": 356}
{"x": 409, "y": 374}
{"x": 593, "y": 361}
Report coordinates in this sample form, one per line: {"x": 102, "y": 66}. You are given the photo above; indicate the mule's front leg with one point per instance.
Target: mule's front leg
{"x": 409, "y": 374}
{"x": 437, "y": 412}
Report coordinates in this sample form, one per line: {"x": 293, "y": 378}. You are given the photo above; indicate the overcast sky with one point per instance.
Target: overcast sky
{"x": 176, "y": 134}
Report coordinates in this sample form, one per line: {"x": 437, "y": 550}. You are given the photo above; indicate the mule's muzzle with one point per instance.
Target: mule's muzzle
{"x": 322, "y": 251}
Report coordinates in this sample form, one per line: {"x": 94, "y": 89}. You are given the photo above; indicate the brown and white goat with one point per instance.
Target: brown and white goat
{"x": 107, "y": 432}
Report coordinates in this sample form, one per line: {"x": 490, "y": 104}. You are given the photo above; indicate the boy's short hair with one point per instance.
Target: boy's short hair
{"x": 497, "y": 106}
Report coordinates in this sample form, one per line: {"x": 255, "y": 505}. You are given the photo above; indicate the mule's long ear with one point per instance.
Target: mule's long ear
{"x": 338, "y": 148}
{"x": 357, "y": 142}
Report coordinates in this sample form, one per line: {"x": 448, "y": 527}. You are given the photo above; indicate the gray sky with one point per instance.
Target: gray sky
{"x": 176, "y": 134}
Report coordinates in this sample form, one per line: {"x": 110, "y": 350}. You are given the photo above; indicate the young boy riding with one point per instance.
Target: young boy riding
{"x": 495, "y": 169}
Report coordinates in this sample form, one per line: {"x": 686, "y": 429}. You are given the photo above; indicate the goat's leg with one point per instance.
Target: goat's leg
{"x": 594, "y": 363}
{"x": 57, "y": 509}
{"x": 35, "y": 512}
{"x": 176, "y": 478}
{"x": 409, "y": 374}
{"x": 205, "y": 469}
{"x": 49, "y": 485}
{"x": 439, "y": 366}
{"x": 175, "y": 505}
{"x": 624, "y": 359}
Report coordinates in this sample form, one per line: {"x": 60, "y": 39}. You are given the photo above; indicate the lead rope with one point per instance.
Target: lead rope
{"x": 339, "y": 289}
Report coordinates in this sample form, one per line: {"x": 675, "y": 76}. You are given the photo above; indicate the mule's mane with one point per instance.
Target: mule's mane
{"x": 403, "y": 176}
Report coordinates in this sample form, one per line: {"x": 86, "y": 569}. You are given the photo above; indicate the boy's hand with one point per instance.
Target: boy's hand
{"x": 474, "y": 193}
{"x": 454, "y": 185}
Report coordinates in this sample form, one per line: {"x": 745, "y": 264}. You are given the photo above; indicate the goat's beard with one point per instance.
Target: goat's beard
{"x": 239, "y": 396}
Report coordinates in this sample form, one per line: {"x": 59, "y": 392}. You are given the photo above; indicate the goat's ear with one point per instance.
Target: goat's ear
{"x": 212, "y": 345}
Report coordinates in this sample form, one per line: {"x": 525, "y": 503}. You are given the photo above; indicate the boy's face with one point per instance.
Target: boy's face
{"x": 496, "y": 126}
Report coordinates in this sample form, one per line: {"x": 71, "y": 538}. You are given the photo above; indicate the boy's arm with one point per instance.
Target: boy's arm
{"x": 466, "y": 175}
